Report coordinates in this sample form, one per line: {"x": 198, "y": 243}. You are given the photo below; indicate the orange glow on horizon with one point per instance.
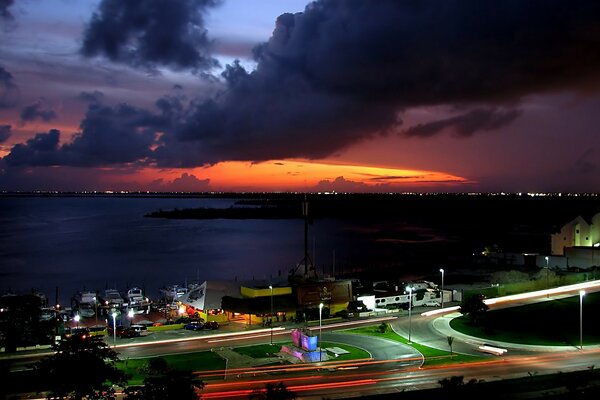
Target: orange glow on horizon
{"x": 302, "y": 175}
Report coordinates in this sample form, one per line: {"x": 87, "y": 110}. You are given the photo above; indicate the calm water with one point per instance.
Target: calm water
{"x": 94, "y": 243}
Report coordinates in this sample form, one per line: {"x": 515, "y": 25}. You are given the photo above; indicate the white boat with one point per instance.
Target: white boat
{"x": 86, "y": 310}
{"x": 86, "y": 297}
{"x": 135, "y": 296}
{"x": 113, "y": 298}
{"x": 173, "y": 292}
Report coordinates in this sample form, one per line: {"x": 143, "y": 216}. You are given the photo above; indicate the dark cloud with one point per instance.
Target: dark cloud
{"x": 338, "y": 73}
{"x": 4, "y": 132}
{"x": 151, "y": 33}
{"x": 185, "y": 183}
{"x": 91, "y": 97}
{"x": 586, "y": 164}
{"x": 40, "y": 150}
{"x": 4, "y": 12}
{"x": 109, "y": 135}
{"x": 465, "y": 125}
{"x": 343, "y": 70}
{"x": 8, "y": 89}
{"x": 37, "y": 111}
{"x": 341, "y": 185}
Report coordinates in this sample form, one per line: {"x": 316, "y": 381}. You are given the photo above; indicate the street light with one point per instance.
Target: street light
{"x": 77, "y": 318}
{"x": 96, "y": 304}
{"x": 114, "y": 315}
{"x": 547, "y": 277}
{"x": 442, "y": 271}
{"x": 320, "y": 329}
{"x": 271, "y": 315}
{"x": 581, "y": 294}
{"x": 410, "y": 289}
{"x": 130, "y": 315}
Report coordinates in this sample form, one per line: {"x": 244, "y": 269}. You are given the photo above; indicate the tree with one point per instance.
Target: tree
{"x": 164, "y": 383}
{"x": 82, "y": 366}
{"x": 450, "y": 341}
{"x": 20, "y": 322}
{"x": 474, "y": 307}
{"x": 273, "y": 391}
{"x": 383, "y": 327}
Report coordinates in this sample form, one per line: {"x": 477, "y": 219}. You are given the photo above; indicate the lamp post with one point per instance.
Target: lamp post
{"x": 547, "y": 277}
{"x": 271, "y": 316}
{"x": 581, "y": 294}
{"x": 442, "y": 271}
{"x": 77, "y": 318}
{"x": 320, "y": 329}
{"x": 96, "y": 306}
{"x": 410, "y": 289}
{"x": 130, "y": 315}
{"x": 114, "y": 315}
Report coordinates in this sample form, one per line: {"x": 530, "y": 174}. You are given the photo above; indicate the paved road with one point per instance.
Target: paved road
{"x": 379, "y": 348}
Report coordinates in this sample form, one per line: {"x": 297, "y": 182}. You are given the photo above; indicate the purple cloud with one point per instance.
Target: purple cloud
{"x": 465, "y": 125}
{"x": 37, "y": 111}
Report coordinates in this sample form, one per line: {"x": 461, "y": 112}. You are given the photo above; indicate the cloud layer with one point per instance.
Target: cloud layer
{"x": 340, "y": 72}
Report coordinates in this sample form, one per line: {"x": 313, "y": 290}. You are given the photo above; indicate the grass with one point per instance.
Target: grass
{"x": 549, "y": 323}
{"x": 431, "y": 355}
{"x": 200, "y": 361}
{"x": 266, "y": 350}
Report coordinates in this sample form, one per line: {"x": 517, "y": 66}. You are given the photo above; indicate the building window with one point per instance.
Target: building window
{"x": 577, "y": 231}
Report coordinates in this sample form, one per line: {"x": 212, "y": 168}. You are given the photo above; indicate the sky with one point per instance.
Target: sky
{"x": 271, "y": 95}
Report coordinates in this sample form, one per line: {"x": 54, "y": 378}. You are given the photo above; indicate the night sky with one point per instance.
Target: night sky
{"x": 270, "y": 95}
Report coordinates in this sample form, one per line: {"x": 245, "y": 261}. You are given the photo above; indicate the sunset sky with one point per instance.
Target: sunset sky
{"x": 272, "y": 95}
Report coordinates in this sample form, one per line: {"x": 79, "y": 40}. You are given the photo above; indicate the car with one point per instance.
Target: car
{"x": 431, "y": 303}
{"x": 80, "y": 332}
{"x": 128, "y": 333}
{"x": 211, "y": 325}
{"x": 194, "y": 326}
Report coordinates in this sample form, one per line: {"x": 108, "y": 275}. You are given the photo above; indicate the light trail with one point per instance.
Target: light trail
{"x": 539, "y": 293}
{"x": 523, "y": 296}
{"x": 353, "y": 323}
{"x": 422, "y": 377}
{"x": 236, "y": 336}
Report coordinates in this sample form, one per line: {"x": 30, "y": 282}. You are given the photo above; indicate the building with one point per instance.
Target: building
{"x": 263, "y": 302}
{"x": 577, "y": 233}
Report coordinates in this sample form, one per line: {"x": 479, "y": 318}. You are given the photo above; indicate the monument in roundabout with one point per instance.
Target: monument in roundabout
{"x": 306, "y": 347}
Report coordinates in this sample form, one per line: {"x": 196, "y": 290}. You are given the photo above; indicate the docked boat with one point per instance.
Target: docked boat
{"x": 135, "y": 296}
{"x": 113, "y": 298}
{"x": 173, "y": 292}
{"x": 86, "y": 310}
{"x": 86, "y": 297}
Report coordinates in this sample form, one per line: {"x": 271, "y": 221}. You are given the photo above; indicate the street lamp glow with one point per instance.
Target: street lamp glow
{"x": 114, "y": 315}
{"x": 442, "y": 271}
{"x": 581, "y": 294}
{"x": 320, "y": 329}
{"x": 77, "y": 318}
{"x": 130, "y": 313}
{"x": 410, "y": 289}
{"x": 271, "y": 315}
{"x": 547, "y": 275}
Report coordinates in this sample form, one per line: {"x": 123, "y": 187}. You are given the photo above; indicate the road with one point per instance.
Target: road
{"x": 354, "y": 379}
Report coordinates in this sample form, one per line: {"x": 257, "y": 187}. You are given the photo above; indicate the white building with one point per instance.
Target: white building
{"x": 577, "y": 233}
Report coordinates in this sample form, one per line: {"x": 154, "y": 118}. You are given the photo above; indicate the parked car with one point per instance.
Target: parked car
{"x": 82, "y": 333}
{"x": 128, "y": 333}
{"x": 431, "y": 303}
{"x": 211, "y": 325}
{"x": 194, "y": 326}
